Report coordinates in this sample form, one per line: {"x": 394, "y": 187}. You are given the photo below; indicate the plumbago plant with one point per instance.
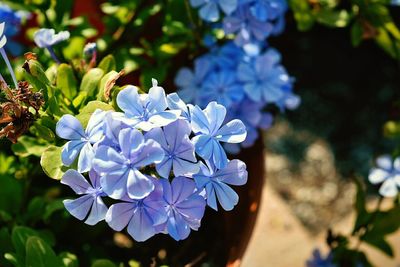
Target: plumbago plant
{"x": 156, "y": 161}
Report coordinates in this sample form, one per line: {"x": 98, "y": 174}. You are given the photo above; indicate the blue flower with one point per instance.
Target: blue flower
{"x": 387, "y": 172}
{"x": 146, "y": 111}
{"x": 141, "y": 216}
{"x": 13, "y": 27}
{"x": 91, "y": 199}
{"x": 189, "y": 82}
{"x": 264, "y": 78}
{"x": 246, "y": 27}
{"x": 120, "y": 173}
{"x": 46, "y": 38}
{"x": 81, "y": 142}
{"x": 215, "y": 182}
{"x": 90, "y": 49}
{"x": 222, "y": 87}
{"x": 319, "y": 261}
{"x": 209, "y": 10}
{"x": 179, "y": 150}
{"x": 268, "y": 10}
{"x": 206, "y": 124}
{"x": 184, "y": 206}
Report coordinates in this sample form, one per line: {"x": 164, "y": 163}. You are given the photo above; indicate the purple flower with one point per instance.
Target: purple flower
{"x": 189, "y": 82}
{"x": 209, "y": 9}
{"x": 120, "y": 173}
{"x": 91, "y": 199}
{"x": 146, "y": 111}
{"x": 246, "y": 27}
{"x": 387, "y": 172}
{"x": 185, "y": 208}
{"x": 179, "y": 151}
{"x": 81, "y": 142}
{"x": 264, "y": 78}
{"x": 206, "y": 124}
{"x": 222, "y": 87}
{"x": 141, "y": 216}
{"x": 215, "y": 182}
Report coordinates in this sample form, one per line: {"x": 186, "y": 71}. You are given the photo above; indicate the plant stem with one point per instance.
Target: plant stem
{"x": 194, "y": 27}
{"x": 53, "y": 55}
{"x": 4, "y": 55}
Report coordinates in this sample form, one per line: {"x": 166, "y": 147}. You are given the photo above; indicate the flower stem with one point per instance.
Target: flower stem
{"x": 53, "y": 55}
{"x": 4, "y": 55}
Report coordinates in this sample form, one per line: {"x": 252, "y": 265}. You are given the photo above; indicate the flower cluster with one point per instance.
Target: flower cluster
{"x": 249, "y": 20}
{"x": 160, "y": 160}
{"x": 387, "y": 172}
{"x": 13, "y": 27}
{"x": 243, "y": 81}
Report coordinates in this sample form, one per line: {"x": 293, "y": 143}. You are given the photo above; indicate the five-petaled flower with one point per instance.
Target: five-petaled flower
{"x": 81, "y": 141}
{"x": 215, "y": 182}
{"x": 146, "y": 111}
{"x": 179, "y": 150}
{"x": 91, "y": 199}
{"x": 120, "y": 174}
{"x": 209, "y": 9}
{"x": 387, "y": 172}
{"x": 206, "y": 125}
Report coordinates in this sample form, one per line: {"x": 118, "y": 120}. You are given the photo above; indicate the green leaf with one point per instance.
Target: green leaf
{"x": 29, "y": 146}
{"x": 363, "y": 216}
{"x": 108, "y": 64}
{"x": 302, "y": 14}
{"x": 35, "y": 210}
{"x": 80, "y": 99}
{"x": 11, "y": 194}
{"x": 19, "y": 236}
{"x": 88, "y": 110}
{"x": 74, "y": 48}
{"x": 379, "y": 243}
{"x": 43, "y": 132}
{"x": 5, "y": 245}
{"x": 103, "y": 263}
{"x": 52, "y": 207}
{"x": 90, "y": 81}
{"x": 356, "y": 33}
{"x": 51, "y": 162}
{"x": 40, "y": 254}
{"x": 66, "y": 81}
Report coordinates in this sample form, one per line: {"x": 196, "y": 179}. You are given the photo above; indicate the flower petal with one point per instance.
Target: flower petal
{"x": 138, "y": 185}
{"x": 79, "y": 207}
{"x": 97, "y": 213}
{"x": 141, "y": 226}
{"x": 377, "y": 176}
{"x": 114, "y": 184}
{"x": 86, "y": 158}
{"x": 119, "y": 215}
{"x": 150, "y": 152}
{"x": 388, "y": 188}
{"x": 232, "y": 132}
{"x": 70, "y": 151}
{"x": 76, "y": 181}
{"x": 234, "y": 173}
{"x": 68, "y": 127}
{"x": 107, "y": 160}
{"x": 129, "y": 101}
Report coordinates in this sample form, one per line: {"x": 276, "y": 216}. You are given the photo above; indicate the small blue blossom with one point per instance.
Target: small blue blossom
{"x": 120, "y": 173}
{"x": 319, "y": 261}
{"x": 268, "y": 10}
{"x": 246, "y": 27}
{"x": 209, "y": 9}
{"x": 46, "y": 38}
{"x": 206, "y": 124}
{"x": 178, "y": 149}
{"x": 215, "y": 182}
{"x": 184, "y": 206}
{"x": 387, "y": 172}
{"x": 264, "y": 78}
{"x": 90, "y": 49}
{"x": 189, "y": 82}
{"x": 81, "y": 141}
{"x": 141, "y": 216}
{"x": 223, "y": 87}
{"x": 91, "y": 199}
{"x": 146, "y": 111}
